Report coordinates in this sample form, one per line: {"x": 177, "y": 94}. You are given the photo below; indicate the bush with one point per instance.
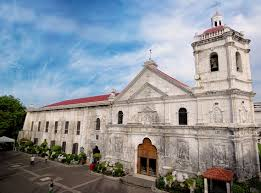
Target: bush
{"x": 69, "y": 158}
{"x": 160, "y": 183}
{"x": 101, "y": 167}
{"x": 117, "y": 170}
{"x": 56, "y": 148}
{"x": 199, "y": 184}
{"x": 239, "y": 188}
{"x": 82, "y": 157}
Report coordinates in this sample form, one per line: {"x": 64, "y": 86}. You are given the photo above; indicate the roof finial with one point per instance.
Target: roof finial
{"x": 150, "y": 54}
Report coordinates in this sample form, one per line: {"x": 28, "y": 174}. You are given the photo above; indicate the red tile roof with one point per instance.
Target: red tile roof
{"x": 217, "y": 173}
{"x": 106, "y": 96}
{"x": 81, "y": 100}
{"x": 214, "y": 29}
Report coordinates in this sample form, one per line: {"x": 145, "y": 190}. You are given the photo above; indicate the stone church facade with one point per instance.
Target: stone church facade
{"x": 158, "y": 123}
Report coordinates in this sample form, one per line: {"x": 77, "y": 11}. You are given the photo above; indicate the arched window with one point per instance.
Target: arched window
{"x": 183, "y": 120}
{"x": 98, "y": 124}
{"x": 120, "y": 117}
{"x": 238, "y": 62}
{"x": 213, "y": 62}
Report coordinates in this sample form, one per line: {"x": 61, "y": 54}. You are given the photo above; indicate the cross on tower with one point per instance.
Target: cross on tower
{"x": 150, "y": 54}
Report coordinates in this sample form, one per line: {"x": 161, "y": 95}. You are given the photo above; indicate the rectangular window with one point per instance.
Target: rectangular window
{"x": 78, "y": 127}
{"x": 66, "y": 127}
{"x": 35, "y": 141}
{"x": 97, "y": 137}
{"x": 32, "y": 126}
{"x": 55, "y": 126}
{"x": 52, "y": 143}
{"x": 39, "y": 126}
{"x": 46, "y": 126}
{"x": 64, "y": 146}
{"x": 75, "y": 148}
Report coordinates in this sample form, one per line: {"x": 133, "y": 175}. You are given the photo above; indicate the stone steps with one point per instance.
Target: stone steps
{"x": 139, "y": 180}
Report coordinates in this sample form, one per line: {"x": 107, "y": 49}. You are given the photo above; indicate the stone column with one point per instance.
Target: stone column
{"x": 205, "y": 185}
{"x": 228, "y": 187}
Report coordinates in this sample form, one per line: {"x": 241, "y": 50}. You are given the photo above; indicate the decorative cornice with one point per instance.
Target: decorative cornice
{"x": 225, "y": 92}
{"x": 232, "y": 33}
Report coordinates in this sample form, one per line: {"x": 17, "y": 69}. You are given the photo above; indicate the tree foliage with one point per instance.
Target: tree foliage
{"x": 12, "y": 115}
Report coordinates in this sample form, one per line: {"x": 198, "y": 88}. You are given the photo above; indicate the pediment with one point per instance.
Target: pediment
{"x": 151, "y": 83}
{"x": 147, "y": 91}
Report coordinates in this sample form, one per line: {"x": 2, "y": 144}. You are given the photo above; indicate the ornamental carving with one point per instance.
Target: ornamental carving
{"x": 148, "y": 116}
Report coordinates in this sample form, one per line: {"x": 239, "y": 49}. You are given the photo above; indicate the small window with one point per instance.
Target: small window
{"x": 219, "y": 22}
{"x": 97, "y": 137}
{"x": 66, "y": 127}
{"x": 36, "y": 141}
{"x": 120, "y": 117}
{"x": 46, "y": 126}
{"x": 214, "y": 62}
{"x": 78, "y": 127}
{"x": 39, "y": 126}
{"x": 55, "y": 126}
{"x": 64, "y": 146}
{"x": 216, "y": 23}
{"x": 52, "y": 143}
{"x": 183, "y": 116}
{"x": 98, "y": 124}
{"x": 32, "y": 126}
{"x": 238, "y": 62}
{"x": 75, "y": 148}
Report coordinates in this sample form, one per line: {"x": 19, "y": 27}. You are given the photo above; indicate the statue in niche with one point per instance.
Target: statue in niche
{"x": 216, "y": 114}
{"x": 243, "y": 113}
{"x": 183, "y": 150}
{"x": 219, "y": 155}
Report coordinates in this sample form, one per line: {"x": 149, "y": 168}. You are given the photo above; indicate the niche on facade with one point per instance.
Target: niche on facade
{"x": 219, "y": 155}
{"x": 148, "y": 116}
{"x": 118, "y": 145}
{"x": 216, "y": 114}
{"x": 182, "y": 161}
{"x": 243, "y": 113}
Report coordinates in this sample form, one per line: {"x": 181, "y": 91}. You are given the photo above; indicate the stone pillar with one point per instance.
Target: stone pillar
{"x": 228, "y": 187}
{"x": 205, "y": 185}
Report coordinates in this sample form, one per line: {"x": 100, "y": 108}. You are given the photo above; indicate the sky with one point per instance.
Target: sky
{"x": 53, "y": 50}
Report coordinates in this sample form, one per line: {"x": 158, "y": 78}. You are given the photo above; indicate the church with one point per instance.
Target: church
{"x": 157, "y": 123}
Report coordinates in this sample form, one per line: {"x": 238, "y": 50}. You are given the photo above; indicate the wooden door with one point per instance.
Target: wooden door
{"x": 147, "y": 158}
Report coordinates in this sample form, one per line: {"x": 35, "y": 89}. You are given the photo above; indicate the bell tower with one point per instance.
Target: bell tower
{"x": 222, "y": 68}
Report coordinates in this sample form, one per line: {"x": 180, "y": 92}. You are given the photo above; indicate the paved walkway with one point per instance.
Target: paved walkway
{"x": 17, "y": 175}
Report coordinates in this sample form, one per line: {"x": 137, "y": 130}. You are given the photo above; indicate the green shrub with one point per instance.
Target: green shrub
{"x": 101, "y": 167}
{"x": 69, "y": 158}
{"x": 238, "y": 188}
{"x": 56, "y": 148}
{"x": 199, "y": 184}
{"x": 170, "y": 180}
{"x": 160, "y": 183}
{"x": 117, "y": 170}
{"x": 82, "y": 156}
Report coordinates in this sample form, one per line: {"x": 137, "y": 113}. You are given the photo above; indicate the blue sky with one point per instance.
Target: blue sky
{"x": 51, "y": 50}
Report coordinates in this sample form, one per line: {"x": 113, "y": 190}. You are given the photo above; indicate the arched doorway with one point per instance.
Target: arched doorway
{"x": 147, "y": 158}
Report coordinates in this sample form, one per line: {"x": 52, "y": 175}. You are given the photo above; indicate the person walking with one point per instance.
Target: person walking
{"x": 32, "y": 160}
{"x": 51, "y": 187}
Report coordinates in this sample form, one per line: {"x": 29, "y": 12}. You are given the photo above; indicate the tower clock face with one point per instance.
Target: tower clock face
{"x": 197, "y": 77}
